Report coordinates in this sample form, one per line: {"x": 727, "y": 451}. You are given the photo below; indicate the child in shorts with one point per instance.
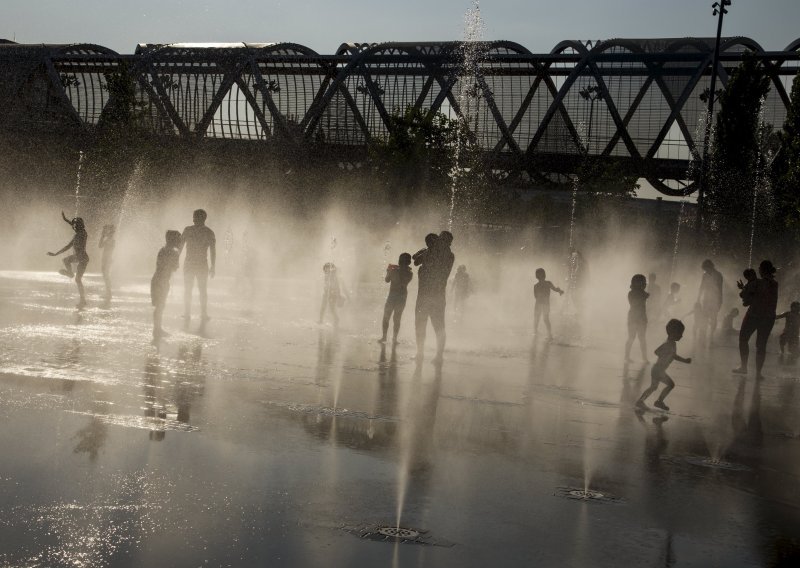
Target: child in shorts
{"x": 666, "y": 353}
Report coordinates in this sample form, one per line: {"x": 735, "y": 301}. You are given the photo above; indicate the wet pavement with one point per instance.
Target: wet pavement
{"x": 263, "y": 438}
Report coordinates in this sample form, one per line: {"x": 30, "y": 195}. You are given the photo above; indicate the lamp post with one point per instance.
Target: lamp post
{"x": 719, "y": 10}
{"x": 592, "y": 94}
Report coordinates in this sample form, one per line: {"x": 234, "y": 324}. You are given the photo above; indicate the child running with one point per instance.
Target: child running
{"x": 791, "y": 333}
{"x": 78, "y": 257}
{"x": 666, "y": 352}
{"x": 637, "y": 316}
{"x": 398, "y": 276}
{"x": 107, "y": 243}
{"x": 166, "y": 264}
{"x": 541, "y": 308}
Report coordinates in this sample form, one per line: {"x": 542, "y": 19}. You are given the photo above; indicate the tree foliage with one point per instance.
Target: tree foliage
{"x": 786, "y": 168}
{"x": 737, "y": 146}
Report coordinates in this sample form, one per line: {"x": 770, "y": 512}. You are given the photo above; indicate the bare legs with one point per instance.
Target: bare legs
{"x": 636, "y": 330}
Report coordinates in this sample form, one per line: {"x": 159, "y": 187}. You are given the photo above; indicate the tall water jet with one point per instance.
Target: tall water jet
{"x": 78, "y": 182}
{"x": 690, "y": 173}
{"x": 761, "y": 183}
{"x": 469, "y": 91}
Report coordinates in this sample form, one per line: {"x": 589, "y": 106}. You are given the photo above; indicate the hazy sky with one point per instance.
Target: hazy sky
{"x": 324, "y": 24}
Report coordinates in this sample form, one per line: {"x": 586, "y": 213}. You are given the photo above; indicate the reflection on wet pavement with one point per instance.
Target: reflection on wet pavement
{"x": 264, "y": 438}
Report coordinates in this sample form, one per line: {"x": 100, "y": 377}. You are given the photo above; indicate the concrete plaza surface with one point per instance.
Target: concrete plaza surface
{"x": 265, "y": 439}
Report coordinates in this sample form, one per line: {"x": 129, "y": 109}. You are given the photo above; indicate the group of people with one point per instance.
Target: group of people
{"x": 758, "y": 292}
{"x": 759, "y": 295}
{"x": 199, "y": 241}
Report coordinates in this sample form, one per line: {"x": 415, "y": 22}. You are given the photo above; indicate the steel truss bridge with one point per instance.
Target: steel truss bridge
{"x": 636, "y": 102}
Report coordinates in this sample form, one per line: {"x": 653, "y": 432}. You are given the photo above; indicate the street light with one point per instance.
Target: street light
{"x": 718, "y": 9}
{"x": 591, "y": 93}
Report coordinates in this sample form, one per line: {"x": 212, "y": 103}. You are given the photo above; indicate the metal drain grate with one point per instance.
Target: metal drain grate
{"x": 585, "y": 495}
{"x": 716, "y": 463}
{"x": 398, "y": 532}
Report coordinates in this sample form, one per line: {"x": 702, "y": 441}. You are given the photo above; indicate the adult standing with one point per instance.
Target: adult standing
{"x": 762, "y": 302}
{"x": 436, "y": 264}
{"x": 199, "y": 241}
{"x": 710, "y": 295}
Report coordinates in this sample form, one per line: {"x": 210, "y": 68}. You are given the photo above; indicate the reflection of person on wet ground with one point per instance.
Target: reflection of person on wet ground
{"x": 398, "y": 276}
{"x": 199, "y": 241}
{"x": 727, "y": 328}
{"x": 637, "y": 316}
{"x": 331, "y": 293}
{"x": 166, "y": 264}
{"x": 436, "y": 262}
{"x": 541, "y": 308}
{"x": 760, "y": 317}
{"x": 654, "y": 302}
{"x": 666, "y": 352}
{"x": 791, "y": 332}
{"x": 710, "y": 296}
{"x": 672, "y": 301}
{"x": 107, "y": 243}
{"x": 462, "y": 289}
{"x": 78, "y": 257}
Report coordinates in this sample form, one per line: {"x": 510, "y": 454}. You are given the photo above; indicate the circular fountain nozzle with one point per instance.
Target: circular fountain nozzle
{"x": 398, "y": 532}
{"x": 585, "y": 494}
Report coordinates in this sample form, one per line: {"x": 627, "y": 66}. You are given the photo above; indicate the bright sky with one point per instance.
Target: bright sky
{"x": 324, "y": 24}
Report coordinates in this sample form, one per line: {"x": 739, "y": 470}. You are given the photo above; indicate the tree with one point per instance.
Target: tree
{"x": 736, "y": 152}
{"x": 417, "y": 156}
{"x": 786, "y": 168}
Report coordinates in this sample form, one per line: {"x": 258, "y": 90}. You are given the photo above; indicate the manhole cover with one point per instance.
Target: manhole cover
{"x": 398, "y": 532}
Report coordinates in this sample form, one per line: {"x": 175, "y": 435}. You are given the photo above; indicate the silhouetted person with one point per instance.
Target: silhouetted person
{"x": 462, "y": 288}
{"x": 166, "y": 264}
{"x": 710, "y": 295}
{"x": 199, "y": 240}
{"x": 666, "y": 353}
{"x": 420, "y": 256}
{"x": 654, "y": 302}
{"x": 759, "y": 319}
{"x": 791, "y": 332}
{"x": 672, "y": 301}
{"x": 727, "y": 328}
{"x": 107, "y": 243}
{"x": 331, "y": 294}
{"x": 541, "y": 295}
{"x": 637, "y": 316}
{"x": 398, "y": 276}
{"x": 436, "y": 263}
{"x": 747, "y": 288}
{"x": 78, "y": 256}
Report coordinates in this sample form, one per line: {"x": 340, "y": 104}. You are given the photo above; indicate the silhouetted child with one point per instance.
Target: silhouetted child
{"x": 107, "y": 243}
{"x": 541, "y": 295}
{"x": 420, "y": 256}
{"x": 637, "y": 316}
{"x": 398, "y": 276}
{"x": 727, "y": 323}
{"x": 462, "y": 288}
{"x": 166, "y": 264}
{"x": 78, "y": 257}
{"x": 331, "y": 295}
{"x": 748, "y": 286}
{"x": 791, "y": 332}
{"x": 666, "y": 352}
{"x": 672, "y": 300}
